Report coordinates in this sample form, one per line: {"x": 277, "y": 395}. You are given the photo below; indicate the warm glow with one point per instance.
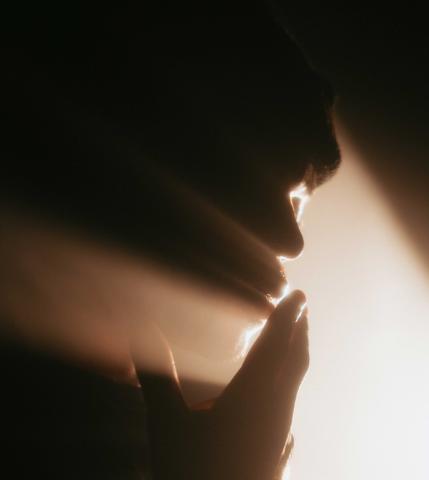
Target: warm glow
{"x": 251, "y": 333}
{"x": 299, "y": 198}
{"x": 362, "y": 412}
{"x": 284, "y": 293}
{"x": 249, "y": 336}
{"x": 286, "y": 473}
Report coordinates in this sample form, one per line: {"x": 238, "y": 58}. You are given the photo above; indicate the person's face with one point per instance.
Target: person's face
{"x": 254, "y": 151}
{"x": 259, "y": 205}
{"x": 239, "y": 125}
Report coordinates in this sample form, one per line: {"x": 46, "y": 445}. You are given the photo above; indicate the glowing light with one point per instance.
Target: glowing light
{"x": 286, "y": 287}
{"x": 284, "y": 293}
{"x": 365, "y": 391}
{"x": 299, "y": 197}
{"x": 249, "y": 336}
{"x": 286, "y": 473}
{"x": 301, "y": 311}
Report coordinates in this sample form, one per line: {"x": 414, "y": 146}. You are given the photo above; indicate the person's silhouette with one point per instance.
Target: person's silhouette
{"x": 181, "y": 138}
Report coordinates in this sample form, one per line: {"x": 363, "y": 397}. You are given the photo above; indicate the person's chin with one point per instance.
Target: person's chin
{"x": 260, "y": 288}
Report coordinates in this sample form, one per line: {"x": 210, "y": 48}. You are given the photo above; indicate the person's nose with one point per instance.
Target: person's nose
{"x": 281, "y": 231}
{"x": 288, "y": 241}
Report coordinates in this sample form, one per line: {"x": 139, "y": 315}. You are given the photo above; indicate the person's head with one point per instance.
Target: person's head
{"x": 179, "y": 136}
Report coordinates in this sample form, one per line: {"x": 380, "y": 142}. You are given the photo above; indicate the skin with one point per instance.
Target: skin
{"x": 255, "y": 137}
{"x": 244, "y": 432}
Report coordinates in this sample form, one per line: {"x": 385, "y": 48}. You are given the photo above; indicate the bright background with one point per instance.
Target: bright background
{"x": 363, "y": 410}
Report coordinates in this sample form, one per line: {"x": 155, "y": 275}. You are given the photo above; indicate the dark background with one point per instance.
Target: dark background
{"x": 377, "y": 61}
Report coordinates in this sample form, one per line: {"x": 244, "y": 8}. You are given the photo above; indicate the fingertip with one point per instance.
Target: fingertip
{"x": 297, "y": 296}
{"x": 291, "y": 306}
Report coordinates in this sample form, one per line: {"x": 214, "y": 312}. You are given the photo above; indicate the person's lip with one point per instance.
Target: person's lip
{"x": 264, "y": 288}
{"x": 275, "y": 286}
{"x": 280, "y": 290}
{"x": 280, "y": 294}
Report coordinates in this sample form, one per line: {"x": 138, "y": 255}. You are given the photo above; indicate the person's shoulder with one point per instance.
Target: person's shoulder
{"x": 66, "y": 421}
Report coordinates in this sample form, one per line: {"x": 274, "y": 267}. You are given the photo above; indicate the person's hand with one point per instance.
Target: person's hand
{"x": 242, "y": 435}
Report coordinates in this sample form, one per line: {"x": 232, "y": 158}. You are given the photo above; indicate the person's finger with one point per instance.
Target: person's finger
{"x": 272, "y": 345}
{"x": 252, "y": 405}
{"x": 298, "y": 358}
{"x": 256, "y": 379}
{"x": 291, "y": 375}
